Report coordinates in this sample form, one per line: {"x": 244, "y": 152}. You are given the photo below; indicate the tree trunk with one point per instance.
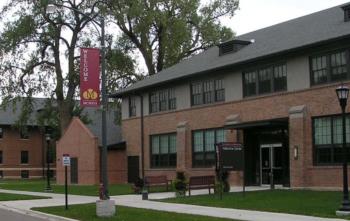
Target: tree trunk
{"x": 65, "y": 110}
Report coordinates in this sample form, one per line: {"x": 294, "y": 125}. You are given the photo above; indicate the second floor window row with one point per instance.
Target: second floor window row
{"x": 207, "y": 92}
{"x": 330, "y": 67}
{"x": 162, "y": 100}
{"x": 265, "y": 80}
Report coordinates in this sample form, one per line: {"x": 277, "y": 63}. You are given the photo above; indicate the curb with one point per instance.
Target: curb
{"x": 37, "y": 214}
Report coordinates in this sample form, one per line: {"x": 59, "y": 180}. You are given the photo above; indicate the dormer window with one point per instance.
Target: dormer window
{"x": 232, "y": 46}
{"x": 346, "y": 13}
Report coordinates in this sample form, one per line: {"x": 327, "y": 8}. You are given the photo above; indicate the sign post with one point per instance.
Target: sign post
{"x": 66, "y": 163}
{"x": 230, "y": 157}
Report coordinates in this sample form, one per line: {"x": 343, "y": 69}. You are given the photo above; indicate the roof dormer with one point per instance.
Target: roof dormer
{"x": 232, "y": 46}
{"x": 346, "y": 9}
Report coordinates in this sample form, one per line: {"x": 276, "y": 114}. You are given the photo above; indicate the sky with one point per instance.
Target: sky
{"x": 257, "y": 14}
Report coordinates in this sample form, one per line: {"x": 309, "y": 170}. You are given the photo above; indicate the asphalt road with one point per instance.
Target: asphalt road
{"x": 6, "y": 215}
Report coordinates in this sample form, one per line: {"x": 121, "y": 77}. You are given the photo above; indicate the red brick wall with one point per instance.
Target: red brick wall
{"x": 79, "y": 142}
{"x": 11, "y": 146}
{"x": 319, "y": 101}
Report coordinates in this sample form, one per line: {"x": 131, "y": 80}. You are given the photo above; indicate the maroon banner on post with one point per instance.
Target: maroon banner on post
{"x": 89, "y": 77}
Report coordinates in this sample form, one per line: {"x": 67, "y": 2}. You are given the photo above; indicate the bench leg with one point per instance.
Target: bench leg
{"x": 209, "y": 191}
{"x": 189, "y": 192}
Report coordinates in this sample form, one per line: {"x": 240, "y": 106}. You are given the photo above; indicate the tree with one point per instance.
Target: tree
{"x": 167, "y": 31}
{"x": 39, "y": 51}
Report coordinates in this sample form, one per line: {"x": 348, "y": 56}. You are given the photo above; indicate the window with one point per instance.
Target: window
{"x": 219, "y": 90}
{"x": 265, "y": 80}
{"x": 250, "y": 83}
{"x": 172, "y": 99}
{"x": 24, "y": 174}
{"x": 163, "y": 151}
{"x": 24, "y": 157}
{"x": 23, "y": 133}
{"x": 327, "y": 135}
{"x": 1, "y": 133}
{"x": 1, "y": 157}
{"x": 280, "y": 78}
{"x": 132, "y": 106}
{"x": 162, "y": 100}
{"x": 329, "y": 67}
{"x": 197, "y": 94}
{"x": 207, "y": 92}
{"x": 204, "y": 146}
{"x": 346, "y": 13}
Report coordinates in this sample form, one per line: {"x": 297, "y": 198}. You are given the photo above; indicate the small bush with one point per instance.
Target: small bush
{"x": 138, "y": 185}
{"x": 180, "y": 184}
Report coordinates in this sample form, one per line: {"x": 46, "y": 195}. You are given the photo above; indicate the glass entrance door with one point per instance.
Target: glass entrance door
{"x": 271, "y": 163}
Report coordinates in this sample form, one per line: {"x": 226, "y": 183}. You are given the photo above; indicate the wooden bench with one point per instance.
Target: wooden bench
{"x": 157, "y": 181}
{"x": 201, "y": 182}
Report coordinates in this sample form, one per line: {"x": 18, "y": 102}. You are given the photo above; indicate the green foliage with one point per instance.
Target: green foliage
{"x": 303, "y": 202}
{"x": 167, "y": 31}
{"x": 87, "y": 212}
{"x": 39, "y": 53}
{"x": 39, "y": 186}
{"x": 12, "y": 197}
{"x": 180, "y": 183}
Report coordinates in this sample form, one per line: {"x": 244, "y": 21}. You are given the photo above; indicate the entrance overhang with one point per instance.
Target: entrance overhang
{"x": 282, "y": 122}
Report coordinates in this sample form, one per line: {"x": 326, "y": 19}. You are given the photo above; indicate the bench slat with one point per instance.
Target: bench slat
{"x": 201, "y": 182}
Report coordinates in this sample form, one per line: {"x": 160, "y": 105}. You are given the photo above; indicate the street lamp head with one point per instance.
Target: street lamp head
{"x": 47, "y": 137}
{"x": 343, "y": 94}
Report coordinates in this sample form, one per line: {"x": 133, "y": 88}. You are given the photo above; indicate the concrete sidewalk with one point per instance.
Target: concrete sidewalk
{"x": 135, "y": 201}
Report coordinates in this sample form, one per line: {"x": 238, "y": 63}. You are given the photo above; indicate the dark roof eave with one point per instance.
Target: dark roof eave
{"x": 116, "y": 146}
{"x": 287, "y": 51}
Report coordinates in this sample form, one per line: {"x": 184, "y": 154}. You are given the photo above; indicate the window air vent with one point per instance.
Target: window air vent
{"x": 346, "y": 13}
{"x": 232, "y": 46}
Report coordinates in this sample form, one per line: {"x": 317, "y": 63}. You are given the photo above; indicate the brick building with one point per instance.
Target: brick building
{"x": 83, "y": 142}
{"x": 22, "y": 153}
{"x": 272, "y": 89}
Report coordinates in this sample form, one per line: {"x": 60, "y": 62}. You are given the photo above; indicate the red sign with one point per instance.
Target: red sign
{"x": 89, "y": 77}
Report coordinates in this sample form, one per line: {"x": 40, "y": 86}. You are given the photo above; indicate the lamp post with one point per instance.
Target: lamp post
{"x": 343, "y": 93}
{"x": 48, "y": 186}
{"x": 101, "y": 23}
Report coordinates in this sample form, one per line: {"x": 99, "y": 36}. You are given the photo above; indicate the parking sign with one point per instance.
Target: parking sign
{"x": 66, "y": 160}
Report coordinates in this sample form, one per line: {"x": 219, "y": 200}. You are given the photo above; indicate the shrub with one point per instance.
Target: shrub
{"x": 138, "y": 185}
{"x": 180, "y": 184}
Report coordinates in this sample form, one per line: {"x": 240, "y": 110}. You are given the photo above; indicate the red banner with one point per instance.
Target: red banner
{"x": 89, "y": 77}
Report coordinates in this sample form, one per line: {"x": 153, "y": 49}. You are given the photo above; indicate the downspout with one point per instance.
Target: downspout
{"x": 142, "y": 141}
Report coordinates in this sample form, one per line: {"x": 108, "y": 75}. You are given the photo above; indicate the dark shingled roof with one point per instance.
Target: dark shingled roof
{"x": 292, "y": 35}
{"x": 114, "y": 135}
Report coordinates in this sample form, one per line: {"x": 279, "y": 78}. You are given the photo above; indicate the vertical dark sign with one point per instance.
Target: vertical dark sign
{"x": 230, "y": 156}
{"x": 89, "y": 77}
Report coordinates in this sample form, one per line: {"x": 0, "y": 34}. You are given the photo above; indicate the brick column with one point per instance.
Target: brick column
{"x": 235, "y": 177}
{"x": 297, "y": 147}
{"x": 181, "y": 146}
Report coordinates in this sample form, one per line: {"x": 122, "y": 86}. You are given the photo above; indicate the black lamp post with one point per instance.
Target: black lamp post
{"x": 48, "y": 186}
{"x": 343, "y": 93}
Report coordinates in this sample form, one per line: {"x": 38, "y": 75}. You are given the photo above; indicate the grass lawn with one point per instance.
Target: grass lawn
{"x": 39, "y": 186}
{"x": 303, "y": 202}
{"x": 10, "y": 197}
{"x": 87, "y": 212}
